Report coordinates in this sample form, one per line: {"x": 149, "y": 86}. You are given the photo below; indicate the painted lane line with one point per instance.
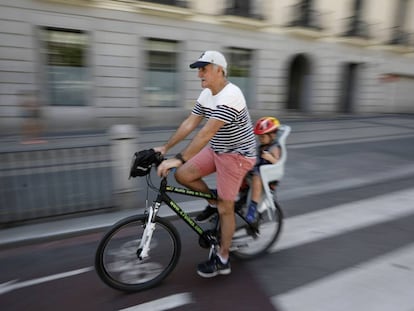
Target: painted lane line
{"x": 166, "y": 303}
{"x": 350, "y": 140}
{"x": 14, "y": 284}
{"x": 346, "y": 183}
{"x": 382, "y": 284}
{"x": 344, "y": 218}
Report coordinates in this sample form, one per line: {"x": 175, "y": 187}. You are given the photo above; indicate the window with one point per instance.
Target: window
{"x": 244, "y": 8}
{"x": 357, "y": 27}
{"x": 161, "y": 74}
{"x": 305, "y": 16}
{"x": 180, "y": 3}
{"x": 67, "y": 74}
{"x": 399, "y": 34}
{"x": 239, "y": 72}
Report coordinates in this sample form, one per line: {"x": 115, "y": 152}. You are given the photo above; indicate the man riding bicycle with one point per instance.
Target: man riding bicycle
{"x": 225, "y": 144}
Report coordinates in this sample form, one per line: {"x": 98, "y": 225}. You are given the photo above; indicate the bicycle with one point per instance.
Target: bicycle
{"x": 140, "y": 251}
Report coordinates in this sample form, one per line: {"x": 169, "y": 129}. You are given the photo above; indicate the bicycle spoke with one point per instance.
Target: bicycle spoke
{"x": 249, "y": 243}
{"x": 118, "y": 262}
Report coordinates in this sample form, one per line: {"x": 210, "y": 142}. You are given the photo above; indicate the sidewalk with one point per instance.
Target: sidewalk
{"x": 26, "y": 234}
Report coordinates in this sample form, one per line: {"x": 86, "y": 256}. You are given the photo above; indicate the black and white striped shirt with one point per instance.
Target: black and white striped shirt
{"x": 229, "y": 105}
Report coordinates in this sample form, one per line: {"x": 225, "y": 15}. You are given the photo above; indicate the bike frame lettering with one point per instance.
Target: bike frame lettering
{"x": 189, "y": 192}
{"x": 182, "y": 214}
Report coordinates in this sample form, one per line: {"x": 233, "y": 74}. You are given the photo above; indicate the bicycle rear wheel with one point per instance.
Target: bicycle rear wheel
{"x": 117, "y": 256}
{"x": 248, "y": 244}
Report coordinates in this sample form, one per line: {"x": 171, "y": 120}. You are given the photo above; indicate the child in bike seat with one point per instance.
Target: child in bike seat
{"x": 268, "y": 152}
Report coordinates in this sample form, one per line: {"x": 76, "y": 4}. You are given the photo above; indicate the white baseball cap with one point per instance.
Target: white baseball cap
{"x": 210, "y": 57}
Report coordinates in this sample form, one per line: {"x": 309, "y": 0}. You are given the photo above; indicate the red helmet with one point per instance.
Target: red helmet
{"x": 266, "y": 125}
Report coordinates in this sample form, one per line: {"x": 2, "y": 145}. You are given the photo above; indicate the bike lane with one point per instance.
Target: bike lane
{"x": 60, "y": 273}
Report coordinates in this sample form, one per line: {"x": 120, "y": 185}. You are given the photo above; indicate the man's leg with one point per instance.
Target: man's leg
{"x": 227, "y": 226}
{"x": 231, "y": 169}
{"x": 190, "y": 175}
{"x": 219, "y": 263}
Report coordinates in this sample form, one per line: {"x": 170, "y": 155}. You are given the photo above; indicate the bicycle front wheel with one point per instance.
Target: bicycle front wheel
{"x": 117, "y": 259}
{"x": 248, "y": 243}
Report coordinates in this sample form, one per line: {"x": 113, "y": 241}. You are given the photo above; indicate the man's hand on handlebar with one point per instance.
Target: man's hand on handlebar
{"x": 161, "y": 149}
{"x": 165, "y": 166}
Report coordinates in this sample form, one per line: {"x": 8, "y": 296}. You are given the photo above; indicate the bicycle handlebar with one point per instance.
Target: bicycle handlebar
{"x": 143, "y": 160}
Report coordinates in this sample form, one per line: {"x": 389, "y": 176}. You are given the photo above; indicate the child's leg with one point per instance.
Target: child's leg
{"x": 256, "y": 188}
{"x": 255, "y": 197}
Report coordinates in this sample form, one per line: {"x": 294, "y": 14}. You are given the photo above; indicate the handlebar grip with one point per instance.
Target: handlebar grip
{"x": 158, "y": 158}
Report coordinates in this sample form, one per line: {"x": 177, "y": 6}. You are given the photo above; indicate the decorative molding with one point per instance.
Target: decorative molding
{"x": 305, "y": 32}
{"x": 74, "y": 2}
{"x": 355, "y": 41}
{"x": 163, "y": 10}
{"x": 242, "y": 22}
{"x": 399, "y": 49}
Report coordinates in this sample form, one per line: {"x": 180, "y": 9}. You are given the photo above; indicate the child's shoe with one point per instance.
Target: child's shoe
{"x": 251, "y": 212}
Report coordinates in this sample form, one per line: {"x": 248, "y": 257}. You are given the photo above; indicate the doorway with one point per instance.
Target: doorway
{"x": 298, "y": 98}
{"x": 349, "y": 83}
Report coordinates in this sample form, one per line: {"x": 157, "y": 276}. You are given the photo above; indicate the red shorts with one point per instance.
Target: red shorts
{"x": 231, "y": 168}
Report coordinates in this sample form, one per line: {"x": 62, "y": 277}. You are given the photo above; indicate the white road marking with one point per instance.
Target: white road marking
{"x": 14, "y": 284}
{"x": 344, "y": 218}
{"x": 349, "y": 140}
{"x": 383, "y": 284}
{"x": 166, "y": 303}
{"x": 285, "y": 193}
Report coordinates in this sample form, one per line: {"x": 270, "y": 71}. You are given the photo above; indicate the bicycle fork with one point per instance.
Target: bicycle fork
{"x": 144, "y": 246}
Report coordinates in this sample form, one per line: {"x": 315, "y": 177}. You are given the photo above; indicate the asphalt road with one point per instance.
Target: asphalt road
{"x": 347, "y": 242}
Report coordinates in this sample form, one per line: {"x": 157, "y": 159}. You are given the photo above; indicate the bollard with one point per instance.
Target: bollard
{"x": 124, "y": 144}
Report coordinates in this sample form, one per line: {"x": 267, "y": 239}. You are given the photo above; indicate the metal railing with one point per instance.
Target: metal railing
{"x": 401, "y": 37}
{"x": 357, "y": 28}
{"x": 244, "y": 8}
{"x": 305, "y": 17}
{"x": 54, "y": 181}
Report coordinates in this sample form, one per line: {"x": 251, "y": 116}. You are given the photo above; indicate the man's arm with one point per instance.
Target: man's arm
{"x": 185, "y": 128}
{"x": 197, "y": 143}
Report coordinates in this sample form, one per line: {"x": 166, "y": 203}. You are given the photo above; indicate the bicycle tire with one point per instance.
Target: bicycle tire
{"x": 248, "y": 245}
{"x": 116, "y": 259}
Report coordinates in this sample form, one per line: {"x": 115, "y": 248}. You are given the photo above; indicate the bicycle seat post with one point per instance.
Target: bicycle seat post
{"x": 163, "y": 184}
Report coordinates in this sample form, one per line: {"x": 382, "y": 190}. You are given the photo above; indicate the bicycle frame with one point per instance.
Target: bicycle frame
{"x": 207, "y": 235}
{"x": 164, "y": 197}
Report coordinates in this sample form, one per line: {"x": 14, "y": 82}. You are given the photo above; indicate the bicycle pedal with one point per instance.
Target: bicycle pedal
{"x": 238, "y": 207}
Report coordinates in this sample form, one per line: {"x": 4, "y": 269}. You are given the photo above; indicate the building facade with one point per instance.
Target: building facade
{"x": 94, "y": 63}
